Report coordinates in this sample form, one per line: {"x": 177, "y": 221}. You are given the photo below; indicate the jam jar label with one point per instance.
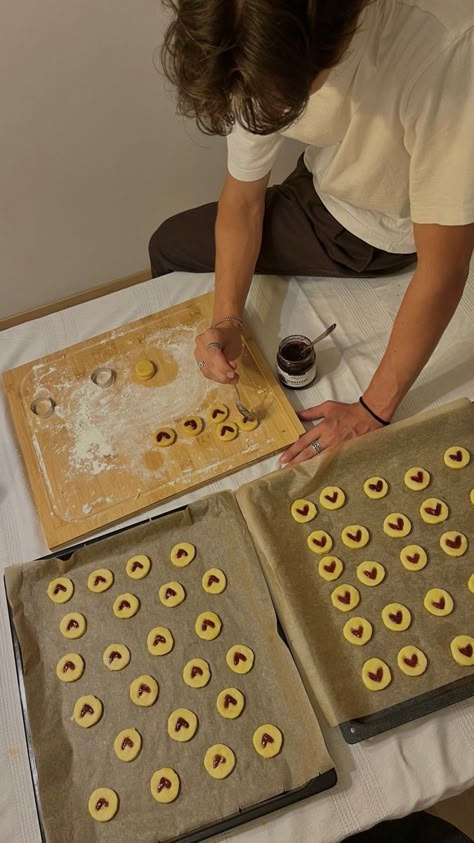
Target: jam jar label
{"x": 296, "y": 381}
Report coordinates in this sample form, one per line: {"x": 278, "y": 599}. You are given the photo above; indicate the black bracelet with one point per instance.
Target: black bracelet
{"x": 374, "y": 415}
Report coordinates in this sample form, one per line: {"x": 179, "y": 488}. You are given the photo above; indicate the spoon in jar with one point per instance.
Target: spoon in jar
{"x": 318, "y": 339}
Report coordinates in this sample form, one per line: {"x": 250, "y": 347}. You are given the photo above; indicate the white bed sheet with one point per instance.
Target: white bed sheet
{"x": 389, "y": 776}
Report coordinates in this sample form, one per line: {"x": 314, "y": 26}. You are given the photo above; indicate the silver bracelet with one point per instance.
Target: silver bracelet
{"x": 228, "y": 319}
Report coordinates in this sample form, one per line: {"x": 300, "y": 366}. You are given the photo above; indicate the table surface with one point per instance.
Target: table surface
{"x": 392, "y": 775}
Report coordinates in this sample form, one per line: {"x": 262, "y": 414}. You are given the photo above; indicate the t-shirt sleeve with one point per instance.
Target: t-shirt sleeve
{"x": 439, "y": 137}
{"x": 250, "y": 157}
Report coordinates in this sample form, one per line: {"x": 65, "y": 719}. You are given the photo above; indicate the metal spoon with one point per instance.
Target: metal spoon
{"x": 243, "y": 410}
{"x": 318, "y": 339}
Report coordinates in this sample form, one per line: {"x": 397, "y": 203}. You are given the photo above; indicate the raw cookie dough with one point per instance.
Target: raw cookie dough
{"x": 103, "y": 804}
{"x": 145, "y": 369}
{"x": 412, "y": 661}
{"x": 396, "y": 617}
{"x": 330, "y": 568}
{"x": 61, "y": 589}
{"x": 165, "y": 785}
{"x": 100, "y": 580}
{"x": 182, "y": 725}
{"x": 453, "y": 543}
{"x": 214, "y": 581}
{"x": 370, "y": 573}
{"x": 439, "y": 602}
{"x": 413, "y": 557}
{"x": 70, "y": 668}
{"x": 434, "y": 511}
{"x": 208, "y": 625}
{"x": 417, "y": 478}
{"x": 196, "y": 673}
{"x": 462, "y": 650}
{"x": 159, "y": 641}
{"x": 218, "y": 413}
{"x": 457, "y": 457}
{"x": 172, "y": 594}
{"x": 376, "y": 488}
{"x": 470, "y": 583}
{"x": 128, "y": 744}
{"x": 230, "y": 703}
{"x": 246, "y": 423}
{"x": 319, "y": 542}
{"x": 219, "y": 761}
{"x": 397, "y": 525}
{"x": 138, "y": 567}
{"x": 357, "y": 631}
{"x": 471, "y": 496}
{"x": 267, "y": 740}
{"x": 332, "y": 497}
{"x": 126, "y": 605}
{"x": 182, "y": 554}
{"x": 303, "y": 510}
{"x": 355, "y": 536}
{"x": 87, "y": 711}
{"x": 144, "y": 690}
{"x": 240, "y": 658}
{"x": 376, "y": 674}
{"x": 345, "y": 598}
{"x": 73, "y": 625}
{"x": 116, "y": 656}
{"x": 227, "y": 431}
{"x": 164, "y": 437}
{"x": 192, "y": 426}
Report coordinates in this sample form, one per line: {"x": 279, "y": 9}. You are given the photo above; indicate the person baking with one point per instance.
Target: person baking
{"x": 382, "y": 94}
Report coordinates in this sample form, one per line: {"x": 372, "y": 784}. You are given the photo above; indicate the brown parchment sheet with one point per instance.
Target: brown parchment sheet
{"x": 73, "y": 761}
{"x": 328, "y": 664}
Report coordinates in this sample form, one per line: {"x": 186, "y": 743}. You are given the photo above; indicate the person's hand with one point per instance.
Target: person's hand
{"x": 339, "y": 422}
{"x": 220, "y": 363}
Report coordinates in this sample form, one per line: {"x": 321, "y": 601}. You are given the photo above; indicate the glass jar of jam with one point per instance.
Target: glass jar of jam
{"x": 296, "y": 362}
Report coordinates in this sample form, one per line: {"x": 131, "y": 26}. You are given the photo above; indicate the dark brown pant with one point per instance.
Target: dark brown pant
{"x": 300, "y": 237}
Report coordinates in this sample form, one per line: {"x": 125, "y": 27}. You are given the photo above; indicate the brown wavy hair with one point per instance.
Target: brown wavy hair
{"x": 252, "y": 61}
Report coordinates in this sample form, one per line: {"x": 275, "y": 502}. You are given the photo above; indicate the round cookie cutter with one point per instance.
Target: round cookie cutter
{"x": 103, "y": 376}
{"x": 43, "y": 407}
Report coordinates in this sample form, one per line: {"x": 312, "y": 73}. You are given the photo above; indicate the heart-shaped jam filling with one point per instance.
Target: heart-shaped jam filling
{"x": 344, "y": 598}
{"x": 164, "y": 782}
{"x": 170, "y": 592}
{"x": 467, "y": 650}
{"x": 59, "y": 587}
{"x": 454, "y": 543}
{"x": 266, "y": 739}
{"x": 456, "y": 456}
{"x": 433, "y": 510}
{"x": 68, "y": 666}
{"x": 411, "y": 661}
{"x": 101, "y": 803}
{"x": 217, "y": 412}
{"x": 159, "y": 639}
{"x": 86, "y": 709}
{"x": 355, "y": 537}
{"x": 181, "y": 552}
{"x": 439, "y": 604}
{"x": 418, "y": 477}
{"x": 162, "y": 435}
{"x": 377, "y": 676}
{"x": 207, "y": 622}
{"x": 114, "y": 655}
{"x": 196, "y": 671}
{"x": 127, "y": 742}
{"x": 396, "y": 617}
{"x": 376, "y": 487}
{"x": 331, "y": 567}
{"x": 99, "y": 579}
{"x": 320, "y": 542}
{"x": 72, "y": 624}
{"x": 181, "y": 723}
{"x": 144, "y": 689}
{"x": 136, "y": 565}
{"x": 212, "y": 579}
{"x": 398, "y": 525}
{"x": 239, "y": 657}
{"x": 226, "y": 429}
{"x": 191, "y": 423}
{"x": 218, "y": 759}
{"x": 304, "y": 510}
{"x": 414, "y": 559}
{"x": 332, "y": 498}
{"x": 229, "y": 700}
{"x": 372, "y": 574}
{"x": 124, "y": 604}
{"x": 358, "y": 631}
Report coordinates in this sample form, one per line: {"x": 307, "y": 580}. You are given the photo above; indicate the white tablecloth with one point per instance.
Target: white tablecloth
{"x": 389, "y": 776}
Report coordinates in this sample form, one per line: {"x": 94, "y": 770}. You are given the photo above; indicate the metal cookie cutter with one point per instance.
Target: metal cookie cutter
{"x": 103, "y": 376}
{"x": 43, "y": 407}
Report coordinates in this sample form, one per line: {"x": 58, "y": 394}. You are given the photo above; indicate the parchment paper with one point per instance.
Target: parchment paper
{"x": 328, "y": 664}
{"x": 72, "y": 761}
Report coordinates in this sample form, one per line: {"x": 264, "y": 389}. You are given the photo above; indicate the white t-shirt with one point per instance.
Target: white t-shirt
{"x": 391, "y": 133}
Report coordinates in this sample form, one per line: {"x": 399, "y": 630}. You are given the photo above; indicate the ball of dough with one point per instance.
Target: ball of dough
{"x": 247, "y": 423}
{"x": 345, "y": 598}
{"x": 182, "y": 554}
{"x": 438, "y": 602}
{"x": 145, "y": 369}
{"x": 138, "y": 567}
{"x": 397, "y": 525}
{"x": 417, "y": 479}
{"x": 214, "y": 581}
{"x": 100, "y": 580}
{"x": 470, "y": 583}
{"x": 159, "y": 641}
{"x": 376, "y": 488}
{"x": 358, "y": 631}
{"x": 267, "y": 740}
{"x": 319, "y": 542}
{"x": 227, "y": 431}
{"x": 376, "y": 675}
{"x": 370, "y": 573}
{"x": 355, "y": 536}
{"x": 208, "y": 626}
{"x": 116, "y": 656}
{"x": 332, "y": 497}
{"x": 87, "y": 711}
{"x": 192, "y": 426}
{"x": 103, "y": 804}
{"x": 126, "y": 606}
{"x": 182, "y": 725}
{"x": 457, "y": 457}
{"x": 413, "y": 557}
{"x": 230, "y": 703}
{"x": 73, "y": 625}
{"x": 453, "y": 543}
{"x": 219, "y": 761}
{"x": 330, "y": 568}
{"x": 462, "y": 650}
{"x": 303, "y": 510}
{"x": 240, "y": 658}
{"x": 165, "y": 785}
{"x": 396, "y": 617}
{"x": 218, "y": 413}
{"x": 70, "y": 668}
{"x": 434, "y": 511}
{"x": 164, "y": 437}
{"x": 144, "y": 690}
{"x": 127, "y": 744}
{"x": 412, "y": 661}
{"x": 197, "y": 673}
{"x": 171, "y": 594}
{"x": 61, "y": 589}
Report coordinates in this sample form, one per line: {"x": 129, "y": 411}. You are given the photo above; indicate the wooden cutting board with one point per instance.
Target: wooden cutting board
{"x": 94, "y": 460}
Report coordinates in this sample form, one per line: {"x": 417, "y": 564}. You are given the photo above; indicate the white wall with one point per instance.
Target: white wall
{"x": 92, "y": 156}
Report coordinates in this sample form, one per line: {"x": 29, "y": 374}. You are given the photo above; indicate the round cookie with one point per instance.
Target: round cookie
{"x": 376, "y": 675}
{"x": 164, "y": 437}
{"x": 127, "y": 744}
{"x": 376, "y": 488}
{"x": 138, "y": 567}
{"x": 457, "y": 457}
{"x": 145, "y": 369}
{"x": 396, "y": 617}
{"x": 192, "y": 426}
{"x": 103, "y": 804}
{"x": 413, "y": 557}
{"x": 70, "y": 668}
{"x": 370, "y": 573}
{"x": 345, "y": 598}
{"x": 208, "y": 626}
{"x": 462, "y": 650}
{"x": 470, "y": 583}
{"x": 196, "y": 673}
{"x": 171, "y": 594}
{"x": 60, "y": 590}
{"x": 434, "y": 511}
{"x": 247, "y": 423}
{"x": 165, "y": 785}
{"x": 230, "y": 703}
{"x": 100, "y": 580}
{"x": 126, "y": 606}
{"x": 438, "y": 602}
{"x": 267, "y": 740}
{"x": 214, "y": 581}
{"x": 144, "y": 690}
{"x": 412, "y": 661}
{"x": 227, "y": 431}
{"x": 417, "y": 479}
{"x": 73, "y": 625}
{"x": 355, "y": 536}
{"x": 182, "y": 725}
{"x": 87, "y": 711}
{"x": 240, "y": 658}
{"x": 116, "y": 656}
{"x": 159, "y": 641}
{"x": 330, "y": 568}
{"x": 219, "y": 761}
{"x": 319, "y": 542}
{"x": 357, "y": 631}
{"x": 453, "y": 543}
{"x": 397, "y": 525}
{"x": 332, "y": 497}
{"x": 182, "y": 554}
{"x": 471, "y": 496}
{"x": 218, "y": 413}
{"x": 303, "y": 510}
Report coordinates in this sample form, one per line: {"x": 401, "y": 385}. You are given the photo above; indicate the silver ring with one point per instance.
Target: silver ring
{"x": 214, "y": 345}
{"x": 316, "y": 446}
{"x": 201, "y": 364}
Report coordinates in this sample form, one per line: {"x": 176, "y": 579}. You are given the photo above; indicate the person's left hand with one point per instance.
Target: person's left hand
{"x": 339, "y": 422}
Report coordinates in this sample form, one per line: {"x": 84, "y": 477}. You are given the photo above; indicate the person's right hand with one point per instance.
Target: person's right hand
{"x": 220, "y": 363}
